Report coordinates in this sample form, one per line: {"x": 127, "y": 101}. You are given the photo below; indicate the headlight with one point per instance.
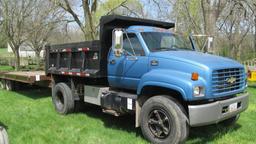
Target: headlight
{"x": 199, "y": 91}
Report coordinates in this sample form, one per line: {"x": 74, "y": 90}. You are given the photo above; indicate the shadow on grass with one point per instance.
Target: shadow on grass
{"x": 252, "y": 86}
{"x": 203, "y": 134}
{"x": 34, "y": 92}
{"x": 206, "y": 134}
{"x": 124, "y": 122}
{"x": 4, "y": 126}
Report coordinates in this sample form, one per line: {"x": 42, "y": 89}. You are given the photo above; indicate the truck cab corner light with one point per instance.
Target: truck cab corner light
{"x": 194, "y": 76}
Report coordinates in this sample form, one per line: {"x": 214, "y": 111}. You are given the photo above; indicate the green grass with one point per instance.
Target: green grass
{"x": 3, "y": 50}
{"x": 30, "y": 118}
{"x": 6, "y": 68}
{"x": 5, "y": 53}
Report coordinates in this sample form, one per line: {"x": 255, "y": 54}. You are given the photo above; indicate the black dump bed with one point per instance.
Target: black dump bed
{"x": 89, "y": 59}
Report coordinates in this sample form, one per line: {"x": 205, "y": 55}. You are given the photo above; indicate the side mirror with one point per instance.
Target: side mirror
{"x": 117, "y": 38}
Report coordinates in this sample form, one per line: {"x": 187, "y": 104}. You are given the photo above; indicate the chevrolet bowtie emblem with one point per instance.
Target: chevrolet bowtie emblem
{"x": 231, "y": 80}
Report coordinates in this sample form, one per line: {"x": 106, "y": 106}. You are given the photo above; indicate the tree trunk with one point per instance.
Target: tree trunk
{"x": 255, "y": 35}
{"x": 17, "y": 60}
{"x": 210, "y": 21}
{"x": 38, "y": 58}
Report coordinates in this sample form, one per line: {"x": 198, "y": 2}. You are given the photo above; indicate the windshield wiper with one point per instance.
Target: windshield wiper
{"x": 185, "y": 49}
{"x": 164, "y": 49}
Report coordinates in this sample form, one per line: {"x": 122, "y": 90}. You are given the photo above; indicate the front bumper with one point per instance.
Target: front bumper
{"x": 215, "y": 112}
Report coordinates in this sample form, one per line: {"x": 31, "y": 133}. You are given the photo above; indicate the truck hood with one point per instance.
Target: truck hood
{"x": 198, "y": 58}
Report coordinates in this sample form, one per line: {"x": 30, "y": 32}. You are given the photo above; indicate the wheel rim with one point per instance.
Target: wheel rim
{"x": 59, "y": 100}
{"x": 159, "y": 123}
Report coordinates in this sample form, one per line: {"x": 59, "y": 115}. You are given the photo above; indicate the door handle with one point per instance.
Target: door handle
{"x": 132, "y": 58}
{"x": 154, "y": 63}
{"x": 113, "y": 61}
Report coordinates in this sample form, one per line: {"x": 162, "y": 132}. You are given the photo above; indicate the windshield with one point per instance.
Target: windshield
{"x": 158, "y": 41}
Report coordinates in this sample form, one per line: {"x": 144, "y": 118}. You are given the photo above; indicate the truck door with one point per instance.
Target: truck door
{"x": 136, "y": 63}
{"x": 125, "y": 71}
{"x": 115, "y": 69}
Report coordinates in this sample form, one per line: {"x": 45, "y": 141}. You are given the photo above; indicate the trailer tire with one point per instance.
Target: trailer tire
{"x": 3, "y": 136}
{"x": 62, "y": 99}
{"x": 163, "y": 121}
{"x": 9, "y": 85}
{"x": 2, "y": 84}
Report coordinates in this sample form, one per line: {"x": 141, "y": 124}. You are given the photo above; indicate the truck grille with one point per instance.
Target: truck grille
{"x": 227, "y": 80}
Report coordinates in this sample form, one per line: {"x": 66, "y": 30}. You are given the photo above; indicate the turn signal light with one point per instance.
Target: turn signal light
{"x": 194, "y": 76}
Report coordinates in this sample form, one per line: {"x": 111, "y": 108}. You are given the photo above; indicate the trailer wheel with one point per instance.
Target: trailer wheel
{"x": 3, "y": 136}
{"x": 163, "y": 121}
{"x": 62, "y": 98}
{"x": 9, "y": 85}
{"x": 2, "y": 84}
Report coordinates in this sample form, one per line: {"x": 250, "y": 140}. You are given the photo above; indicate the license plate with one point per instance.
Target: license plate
{"x": 232, "y": 107}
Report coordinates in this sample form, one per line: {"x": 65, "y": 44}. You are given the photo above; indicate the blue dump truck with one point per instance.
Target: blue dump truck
{"x": 140, "y": 67}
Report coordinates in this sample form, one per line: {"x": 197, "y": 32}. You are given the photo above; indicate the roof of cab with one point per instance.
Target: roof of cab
{"x": 124, "y": 21}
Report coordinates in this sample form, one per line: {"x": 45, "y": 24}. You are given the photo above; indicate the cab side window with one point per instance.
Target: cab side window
{"x": 132, "y": 46}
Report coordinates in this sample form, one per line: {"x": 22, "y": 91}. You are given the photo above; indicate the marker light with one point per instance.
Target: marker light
{"x": 194, "y": 76}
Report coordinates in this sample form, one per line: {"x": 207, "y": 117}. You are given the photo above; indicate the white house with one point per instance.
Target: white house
{"x": 25, "y": 51}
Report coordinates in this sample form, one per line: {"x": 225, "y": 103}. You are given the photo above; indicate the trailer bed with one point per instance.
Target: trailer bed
{"x": 29, "y": 77}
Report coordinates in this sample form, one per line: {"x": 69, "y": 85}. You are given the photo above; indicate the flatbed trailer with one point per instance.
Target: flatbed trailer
{"x": 10, "y": 80}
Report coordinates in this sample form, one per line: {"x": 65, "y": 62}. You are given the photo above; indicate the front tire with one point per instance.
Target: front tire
{"x": 62, "y": 99}
{"x": 163, "y": 121}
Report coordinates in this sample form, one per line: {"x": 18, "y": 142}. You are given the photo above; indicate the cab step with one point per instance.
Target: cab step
{"x": 111, "y": 112}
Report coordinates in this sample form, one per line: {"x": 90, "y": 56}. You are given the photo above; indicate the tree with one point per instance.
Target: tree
{"x": 199, "y": 17}
{"x": 236, "y": 25}
{"x": 2, "y": 36}
{"x": 229, "y": 22}
{"x": 89, "y": 7}
{"x": 89, "y": 21}
{"x": 15, "y": 13}
{"x": 44, "y": 18}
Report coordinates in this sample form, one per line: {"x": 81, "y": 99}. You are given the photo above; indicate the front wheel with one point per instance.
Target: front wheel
{"x": 163, "y": 121}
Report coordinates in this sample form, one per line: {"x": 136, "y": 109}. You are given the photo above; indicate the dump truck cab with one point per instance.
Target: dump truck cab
{"x": 152, "y": 54}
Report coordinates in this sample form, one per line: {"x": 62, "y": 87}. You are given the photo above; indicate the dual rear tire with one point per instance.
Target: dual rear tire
{"x": 63, "y": 99}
